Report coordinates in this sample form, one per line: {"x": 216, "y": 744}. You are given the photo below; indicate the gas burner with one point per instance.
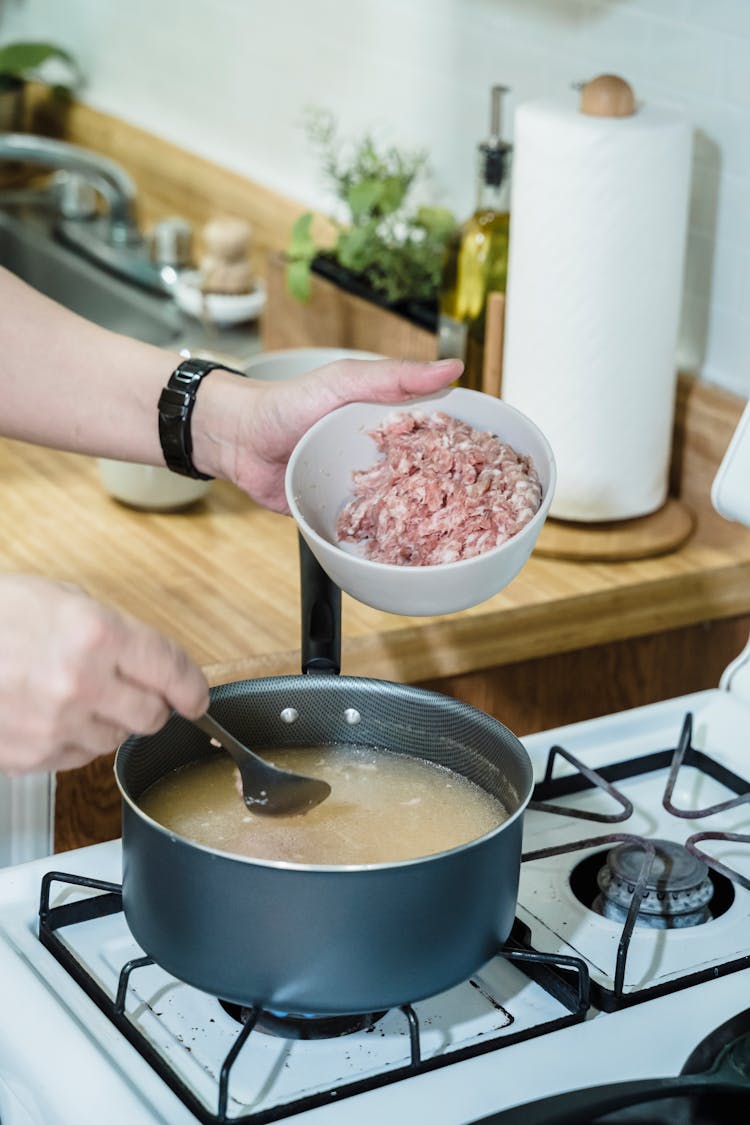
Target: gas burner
{"x": 636, "y": 887}
{"x": 286, "y": 1025}
{"x": 588, "y": 873}
{"x": 677, "y": 890}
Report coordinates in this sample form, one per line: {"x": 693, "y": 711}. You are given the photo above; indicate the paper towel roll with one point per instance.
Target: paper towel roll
{"x": 597, "y": 239}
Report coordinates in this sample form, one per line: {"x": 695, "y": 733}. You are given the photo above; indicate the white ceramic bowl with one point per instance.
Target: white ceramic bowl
{"x": 319, "y": 483}
{"x": 222, "y": 309}
{"x": 291, "y": 362}
{"x": 150, "y": 487}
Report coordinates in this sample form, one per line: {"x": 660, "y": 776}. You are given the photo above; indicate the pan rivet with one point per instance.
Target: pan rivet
{"x": 289, "y": 715}
{"x": 352, "y": 716}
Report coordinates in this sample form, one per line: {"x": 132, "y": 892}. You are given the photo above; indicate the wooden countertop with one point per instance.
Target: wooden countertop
{"x": 222, "y": 578}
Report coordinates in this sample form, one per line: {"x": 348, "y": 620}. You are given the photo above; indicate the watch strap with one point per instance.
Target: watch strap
{"x": 176, "y": 403}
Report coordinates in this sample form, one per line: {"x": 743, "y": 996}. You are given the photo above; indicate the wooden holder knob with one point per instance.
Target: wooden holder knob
{"x": 227, "y": 239}
{"x": 226, "y": 277}
{"x": 607, "y": 96}
{"x": 225, "y": 266}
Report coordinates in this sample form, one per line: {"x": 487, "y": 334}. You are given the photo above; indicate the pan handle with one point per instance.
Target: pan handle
{"x": 321, "y": 616}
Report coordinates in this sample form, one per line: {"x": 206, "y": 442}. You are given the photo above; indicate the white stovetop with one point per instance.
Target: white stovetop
{"x": 63, "y": 1063}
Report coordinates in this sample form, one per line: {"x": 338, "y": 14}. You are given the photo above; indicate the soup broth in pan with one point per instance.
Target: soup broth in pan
{"x": 383, "y": 808}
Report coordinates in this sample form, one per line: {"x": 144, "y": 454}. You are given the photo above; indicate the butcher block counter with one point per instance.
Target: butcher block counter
{"x": 566, "y": 640}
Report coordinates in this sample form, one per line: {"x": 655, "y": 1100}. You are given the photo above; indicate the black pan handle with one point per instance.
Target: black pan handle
{"x": 321, "y": 616}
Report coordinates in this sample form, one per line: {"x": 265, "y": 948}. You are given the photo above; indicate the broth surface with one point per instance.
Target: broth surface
{"x": 383, "y": 808}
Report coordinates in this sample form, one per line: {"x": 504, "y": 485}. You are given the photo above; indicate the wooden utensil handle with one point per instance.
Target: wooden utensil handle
{"x": 492, "y": 366}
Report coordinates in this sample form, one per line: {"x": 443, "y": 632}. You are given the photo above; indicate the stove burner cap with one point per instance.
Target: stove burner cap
{"x": 678, "y": 888}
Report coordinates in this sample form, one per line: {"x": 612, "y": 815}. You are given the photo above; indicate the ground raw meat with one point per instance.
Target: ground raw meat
{"x": 442, "y": 491}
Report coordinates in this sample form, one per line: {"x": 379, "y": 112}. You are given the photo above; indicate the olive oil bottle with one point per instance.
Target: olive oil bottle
{"x": 476, "y": 259}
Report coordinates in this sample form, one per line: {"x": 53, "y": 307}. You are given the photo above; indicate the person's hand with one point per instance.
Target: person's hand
{"x": 270, "y": 418}
{"x": 76, "y": 677}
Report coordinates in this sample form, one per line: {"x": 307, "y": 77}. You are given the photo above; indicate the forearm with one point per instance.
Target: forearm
{"x": 67, "y": 383}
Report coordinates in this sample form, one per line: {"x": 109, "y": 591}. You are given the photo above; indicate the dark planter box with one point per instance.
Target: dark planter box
{"x": 422, "y": 313}
{"x": 343, "y": 313}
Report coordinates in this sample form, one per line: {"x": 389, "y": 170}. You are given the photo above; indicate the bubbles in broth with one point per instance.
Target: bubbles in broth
{"x": 383, "y": 808}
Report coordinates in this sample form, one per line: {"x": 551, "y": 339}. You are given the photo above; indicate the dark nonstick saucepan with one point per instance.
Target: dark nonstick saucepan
{"x": 325, "y": 941}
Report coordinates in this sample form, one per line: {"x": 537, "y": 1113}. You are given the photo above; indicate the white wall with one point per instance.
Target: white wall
{"x": 230, "y": 79}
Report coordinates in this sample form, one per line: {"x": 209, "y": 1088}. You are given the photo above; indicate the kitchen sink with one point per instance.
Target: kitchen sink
{"x": 28, "y": 248}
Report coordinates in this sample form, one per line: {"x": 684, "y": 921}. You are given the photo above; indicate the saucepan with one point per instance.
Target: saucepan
{"x": 323, "y": 940}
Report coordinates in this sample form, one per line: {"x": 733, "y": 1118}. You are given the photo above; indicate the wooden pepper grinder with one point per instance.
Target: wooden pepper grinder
{"x": 225, "y": 266}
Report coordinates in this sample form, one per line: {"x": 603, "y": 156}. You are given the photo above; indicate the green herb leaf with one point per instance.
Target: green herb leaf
{"x": 298, "y": 279}
{"x": 355, "y": 248}
{"x": 437, "y": 220}
{"x": 301, "y": 243}
{"x": 20, "y": 59}
{"x": 364, "y": 197}
{"x": 394, "y": 193}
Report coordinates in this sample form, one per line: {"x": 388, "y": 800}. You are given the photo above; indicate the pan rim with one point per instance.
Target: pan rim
{"x": 287, "y": 865}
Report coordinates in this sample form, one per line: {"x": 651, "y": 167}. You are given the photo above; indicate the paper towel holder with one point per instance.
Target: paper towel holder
{"x": 669, "y": 527}
{"x": 607, "y": 95}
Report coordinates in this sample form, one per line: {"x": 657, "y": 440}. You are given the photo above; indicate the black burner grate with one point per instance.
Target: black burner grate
{"x": 549, "y": 791}
{"x": 564, "y": 978}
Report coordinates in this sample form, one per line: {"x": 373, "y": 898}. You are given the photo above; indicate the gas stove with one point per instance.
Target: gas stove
{"x": 631, "y": 945}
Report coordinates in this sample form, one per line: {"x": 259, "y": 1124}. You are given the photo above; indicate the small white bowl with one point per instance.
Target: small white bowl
{"x": 288, "y": 363}
{"x": 222, "y": 309}
{"x": 150, "y": 487}
{"x": 319, "y": 484}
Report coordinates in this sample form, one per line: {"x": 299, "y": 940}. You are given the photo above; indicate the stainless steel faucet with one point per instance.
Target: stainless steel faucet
{"x": 113, "y": 239}
{"x": 109, "y": 178}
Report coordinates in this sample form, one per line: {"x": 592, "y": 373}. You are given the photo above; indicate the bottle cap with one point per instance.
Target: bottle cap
{"x": 495, "y": 151}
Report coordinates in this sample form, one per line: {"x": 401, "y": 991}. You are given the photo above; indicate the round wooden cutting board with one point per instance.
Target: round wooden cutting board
{"x": 619, "y": 540}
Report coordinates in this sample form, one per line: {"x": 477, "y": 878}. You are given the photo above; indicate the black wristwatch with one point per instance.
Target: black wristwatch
{"x": 176, "y": 404}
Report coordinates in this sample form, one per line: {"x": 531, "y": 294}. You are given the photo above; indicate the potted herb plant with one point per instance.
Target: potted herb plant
{"x": 24, "y": 62}
{"x": 384, "y": 251}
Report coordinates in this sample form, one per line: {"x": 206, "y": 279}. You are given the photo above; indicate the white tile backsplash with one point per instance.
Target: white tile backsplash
{"x": 734, "y": 71}
{"x": 680, "y": 57}
{"x": 722, "y": 15}
{"x": 230, "y": 79}
{"x": 727, "y": 353}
